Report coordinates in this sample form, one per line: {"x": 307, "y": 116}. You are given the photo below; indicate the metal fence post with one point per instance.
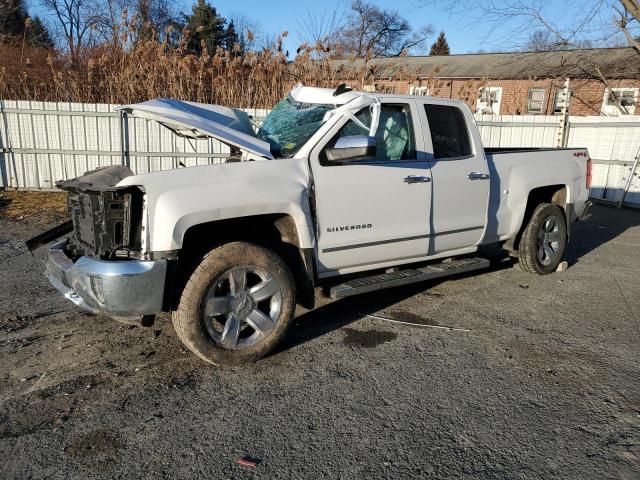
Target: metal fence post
{"x": 4, "y": 178}
{"x": 124, "y": 139}
{"x": 562, "y": 138}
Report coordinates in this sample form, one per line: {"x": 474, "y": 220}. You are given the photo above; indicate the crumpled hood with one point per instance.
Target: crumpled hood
{"x": 98, "y": 180}
{"x": 199, "y": 120}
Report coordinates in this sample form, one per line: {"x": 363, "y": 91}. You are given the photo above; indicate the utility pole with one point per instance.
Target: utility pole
{"x": 563, "y": 128}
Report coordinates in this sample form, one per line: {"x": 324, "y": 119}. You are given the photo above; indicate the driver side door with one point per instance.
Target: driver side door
{"x": 373, "y": 212}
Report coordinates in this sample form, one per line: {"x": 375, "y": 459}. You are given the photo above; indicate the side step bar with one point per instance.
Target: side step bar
{"x": 406, "y": 277}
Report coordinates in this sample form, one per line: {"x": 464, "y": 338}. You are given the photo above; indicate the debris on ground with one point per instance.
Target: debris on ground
{"x": 417, "y": 324}
{"x": 247, "y": 462}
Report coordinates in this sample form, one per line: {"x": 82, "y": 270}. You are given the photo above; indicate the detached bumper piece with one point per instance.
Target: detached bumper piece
{"x": 585, "y": 209}
{"x": 125, "y": 288}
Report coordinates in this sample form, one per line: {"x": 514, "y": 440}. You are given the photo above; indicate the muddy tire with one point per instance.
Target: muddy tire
{"x": 544, "y": 240}
{"x": 237, "y": 305}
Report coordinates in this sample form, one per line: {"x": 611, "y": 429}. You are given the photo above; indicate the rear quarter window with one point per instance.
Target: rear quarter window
{"x": 449, "y": 134}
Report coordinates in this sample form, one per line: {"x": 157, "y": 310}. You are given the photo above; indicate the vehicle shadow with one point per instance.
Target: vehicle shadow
{"x": 340, "y": 313}
{"x": 602, "y": 224}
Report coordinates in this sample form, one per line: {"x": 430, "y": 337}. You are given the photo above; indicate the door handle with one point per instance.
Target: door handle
{"x": 478, "y": 176}
{"x": 416, "y": 179}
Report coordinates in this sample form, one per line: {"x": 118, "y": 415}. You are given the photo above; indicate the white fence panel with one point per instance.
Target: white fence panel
{"x": 44, "y": 142}
{"x": 614, "y": 143}
{"x": 517, "y": 130}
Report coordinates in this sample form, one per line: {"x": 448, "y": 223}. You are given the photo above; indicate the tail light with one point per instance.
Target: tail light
{"x": 589, "y": 173}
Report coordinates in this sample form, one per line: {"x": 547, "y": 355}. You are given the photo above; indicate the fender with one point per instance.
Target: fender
{"x": 180, "y": 199}
{"x": 521, "y": 184}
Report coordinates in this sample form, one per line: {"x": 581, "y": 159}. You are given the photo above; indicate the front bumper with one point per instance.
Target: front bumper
{"x": 116, "y": 288}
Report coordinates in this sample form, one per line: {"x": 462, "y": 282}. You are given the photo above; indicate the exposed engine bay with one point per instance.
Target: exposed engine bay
{"x": 106, "y": 220}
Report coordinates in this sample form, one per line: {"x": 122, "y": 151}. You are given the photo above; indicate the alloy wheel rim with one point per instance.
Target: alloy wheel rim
{"x": 548, "y": 241}
{"x": 242, "y": 307}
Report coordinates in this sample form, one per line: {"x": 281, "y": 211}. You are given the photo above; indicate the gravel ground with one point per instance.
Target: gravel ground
{"x": 538, "y": 379}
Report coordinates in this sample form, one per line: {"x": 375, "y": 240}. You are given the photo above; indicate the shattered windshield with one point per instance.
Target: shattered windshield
{"x": 290, "y": 124}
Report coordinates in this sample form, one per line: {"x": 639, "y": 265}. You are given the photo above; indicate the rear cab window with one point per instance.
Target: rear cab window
{"x": 449, "y": 133}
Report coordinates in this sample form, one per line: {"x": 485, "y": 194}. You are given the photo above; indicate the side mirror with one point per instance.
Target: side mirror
{"x": 353, "y": 147}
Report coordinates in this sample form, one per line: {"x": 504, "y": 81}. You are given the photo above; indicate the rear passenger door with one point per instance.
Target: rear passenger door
{"x": 460, "y": 176}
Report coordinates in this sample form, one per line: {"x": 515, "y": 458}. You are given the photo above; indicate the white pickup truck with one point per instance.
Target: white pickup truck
{"x": 352, "y": 192}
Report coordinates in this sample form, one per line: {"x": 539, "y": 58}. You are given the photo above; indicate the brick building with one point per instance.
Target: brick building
{"x": 602, "y": 81}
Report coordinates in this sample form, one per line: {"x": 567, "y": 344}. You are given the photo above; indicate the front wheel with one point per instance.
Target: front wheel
{"x": 237, "y": 305}
{"x": 543, "y": 240}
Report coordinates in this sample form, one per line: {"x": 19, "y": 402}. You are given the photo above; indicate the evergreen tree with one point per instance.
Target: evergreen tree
{"x": 440, "y": 47}
{"x": 38, "y": 35}
{"x": 231, "y": 37}
{"x": 13, "y": 14}
{"x": 15, "y": 25}
{"x": 206, "y": 27}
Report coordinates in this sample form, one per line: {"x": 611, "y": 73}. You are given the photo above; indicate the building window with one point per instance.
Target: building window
{"x": 420, "y": 91}
{"x": 620, "y": 101}
{"x": 560, "y": 100}
{"x": 489, "y": 100}
{"x": 535, "y": 101}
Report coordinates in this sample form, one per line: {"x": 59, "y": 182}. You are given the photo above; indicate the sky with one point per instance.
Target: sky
{"x": 466, "y": 28}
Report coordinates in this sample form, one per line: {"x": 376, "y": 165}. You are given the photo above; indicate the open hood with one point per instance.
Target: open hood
{"x": 199, "y": 120}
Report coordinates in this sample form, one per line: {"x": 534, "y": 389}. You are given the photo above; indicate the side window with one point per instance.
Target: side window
{"x": 449, "y": 133}
{"x": 394, "y": 137}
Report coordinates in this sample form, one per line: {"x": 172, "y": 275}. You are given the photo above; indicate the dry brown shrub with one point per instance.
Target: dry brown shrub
{"x": 122, "y": 72}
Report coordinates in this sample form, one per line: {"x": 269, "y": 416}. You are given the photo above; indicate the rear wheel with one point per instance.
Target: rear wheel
{"x": 237, "y": 305}
{"x": 544, "y": 240}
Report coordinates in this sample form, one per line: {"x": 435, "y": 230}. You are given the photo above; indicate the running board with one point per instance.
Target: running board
{"x": 406, "y": 277}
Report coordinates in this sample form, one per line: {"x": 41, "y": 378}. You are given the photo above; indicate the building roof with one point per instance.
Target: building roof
{"x": 611, "y": 62}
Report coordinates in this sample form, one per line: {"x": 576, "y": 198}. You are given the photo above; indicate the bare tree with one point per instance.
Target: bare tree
{"x": 109, "y": 20}
{"x": 322, "y": 31}
{"x": 126, "y": 22}
{"x": 577, "y": 24}
{"x": 371, "y": 31}
{"x": 76, "y": 20}
{"x": 248, "y": 31}
{"x": 628, "y": 16}
{"x": 543, "y": 41}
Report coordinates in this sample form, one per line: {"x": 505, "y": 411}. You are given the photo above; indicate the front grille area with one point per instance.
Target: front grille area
{"x": 105, "y": 222}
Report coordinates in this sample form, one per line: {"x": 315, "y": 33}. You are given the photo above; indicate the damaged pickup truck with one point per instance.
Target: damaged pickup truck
{"x": 352, "y": 192}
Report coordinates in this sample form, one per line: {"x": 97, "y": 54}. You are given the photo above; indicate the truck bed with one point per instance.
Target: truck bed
{"x": 514, "y": 175}
{"x": 498, "y": 150}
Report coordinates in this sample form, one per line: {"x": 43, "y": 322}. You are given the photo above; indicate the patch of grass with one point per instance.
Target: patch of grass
{"x": 19, "y": 205}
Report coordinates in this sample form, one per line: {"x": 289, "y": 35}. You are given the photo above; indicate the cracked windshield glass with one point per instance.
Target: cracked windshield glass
{"x": 290, "y": 124}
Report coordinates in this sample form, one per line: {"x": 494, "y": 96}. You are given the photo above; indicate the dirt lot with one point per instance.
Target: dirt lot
{"x": 539, "y": 379}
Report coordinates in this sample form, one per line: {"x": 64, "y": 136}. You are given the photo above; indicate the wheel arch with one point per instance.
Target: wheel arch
{"x": 558, "y": 194}
{"x": 277, "y": 231}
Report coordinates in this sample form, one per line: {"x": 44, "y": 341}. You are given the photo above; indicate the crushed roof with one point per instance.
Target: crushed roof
{"x": 585, "y": 63}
